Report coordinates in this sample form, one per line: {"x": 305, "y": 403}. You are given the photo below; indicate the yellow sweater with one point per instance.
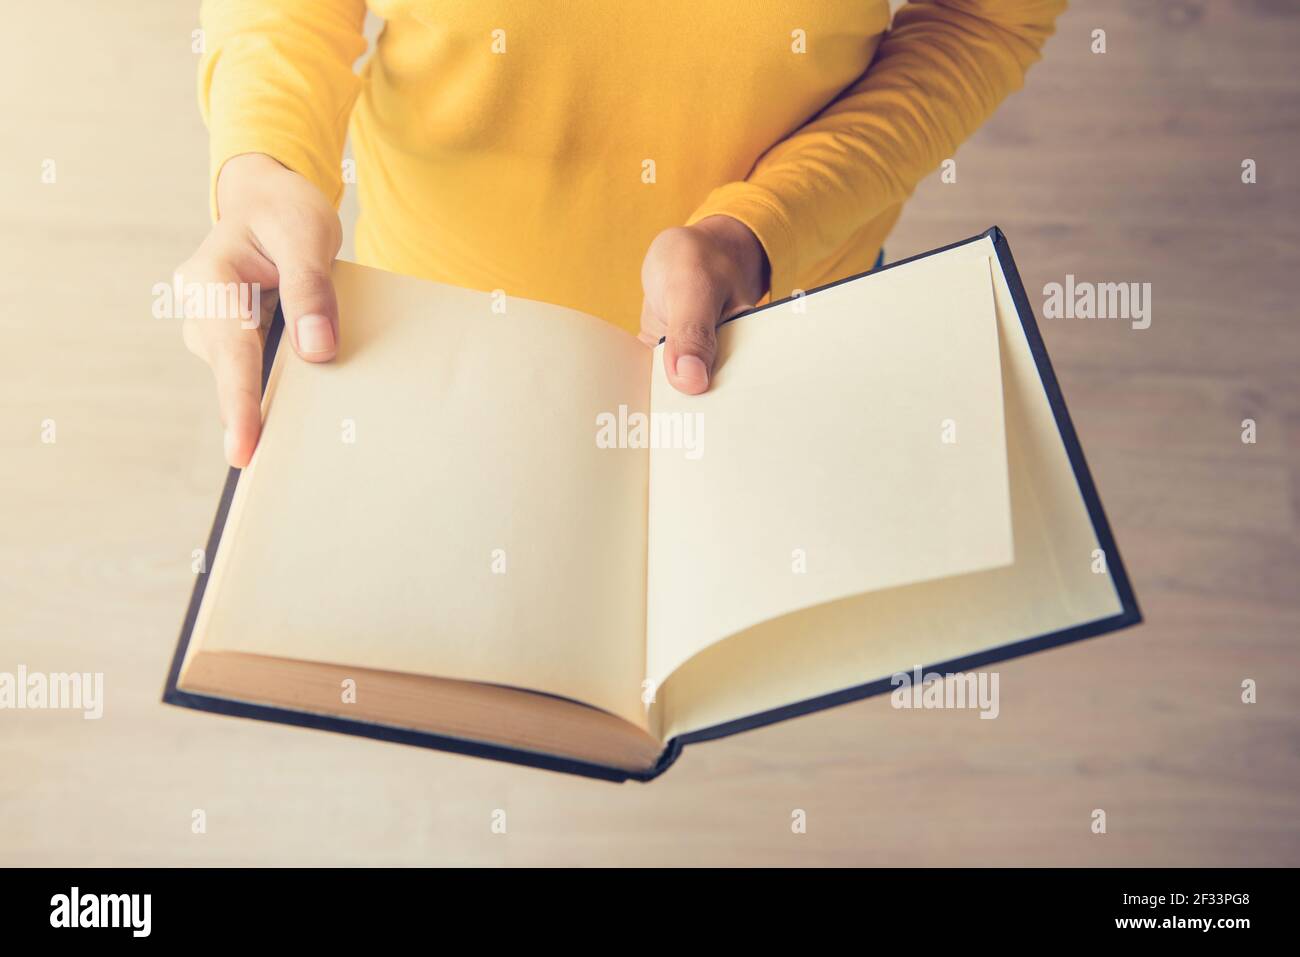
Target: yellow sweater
{"x": 537, "y": 147}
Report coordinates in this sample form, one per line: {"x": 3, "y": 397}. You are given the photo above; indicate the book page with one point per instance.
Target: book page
{"x": 434, "y": 501}
{"x": 853, "y": 440}
{"x": 1053, "y": 583}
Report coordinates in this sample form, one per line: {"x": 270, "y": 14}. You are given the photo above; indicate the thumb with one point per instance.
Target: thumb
{"x": 691, "y": 344}
{"x": 311, "y": 313}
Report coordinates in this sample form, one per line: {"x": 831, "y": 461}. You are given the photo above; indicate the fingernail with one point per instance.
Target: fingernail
{"x": 693, "y": 370}
{"x": 228, "y": 443}
{"x": 315, "y": 335}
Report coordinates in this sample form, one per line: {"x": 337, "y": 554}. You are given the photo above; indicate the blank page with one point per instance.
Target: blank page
{"x": 1053, "y": 583}
{"x": 853, "y": 440}
{"x": 434, "y": 501}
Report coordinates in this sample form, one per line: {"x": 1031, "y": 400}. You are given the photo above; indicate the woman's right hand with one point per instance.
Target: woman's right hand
{"x": 277, "y": 230}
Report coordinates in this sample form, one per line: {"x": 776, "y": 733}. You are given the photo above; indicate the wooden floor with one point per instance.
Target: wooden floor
{"x": 1116, "y": 167}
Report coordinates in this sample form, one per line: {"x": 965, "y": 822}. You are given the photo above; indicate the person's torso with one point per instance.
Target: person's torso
{"x": 537, "y": 147}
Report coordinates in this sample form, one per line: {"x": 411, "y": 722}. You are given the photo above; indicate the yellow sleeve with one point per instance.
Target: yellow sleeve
{"x": 940, "y": 72}
{"x": 276, "y": 77}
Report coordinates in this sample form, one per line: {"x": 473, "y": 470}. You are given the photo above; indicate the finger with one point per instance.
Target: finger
{"x": 231, "y": 347}
{"x": 734, "y": 311}
{"x": 691, "y": 343}
{"x": 652, "y": 325}
{"x": 236, "y": 361}
{"x": 311, "y": 312}
{"x": 303, "y": 249}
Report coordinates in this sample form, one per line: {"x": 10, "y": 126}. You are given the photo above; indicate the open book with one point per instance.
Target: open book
{"x": 491, "y": 526}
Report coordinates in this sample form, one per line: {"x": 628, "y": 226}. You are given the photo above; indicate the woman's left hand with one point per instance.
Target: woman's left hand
{"x": 694, "y": 277}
